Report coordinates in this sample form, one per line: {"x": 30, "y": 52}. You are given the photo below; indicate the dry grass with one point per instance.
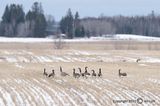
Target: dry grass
{"x": 25, "y": 80}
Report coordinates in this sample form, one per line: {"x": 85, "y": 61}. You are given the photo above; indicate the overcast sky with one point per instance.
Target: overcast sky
{"x": 58, "y": 8}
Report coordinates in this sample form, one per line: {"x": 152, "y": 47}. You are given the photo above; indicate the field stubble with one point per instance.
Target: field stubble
{"x": 22, "y": 82}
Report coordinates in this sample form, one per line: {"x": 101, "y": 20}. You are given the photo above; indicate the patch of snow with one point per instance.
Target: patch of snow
{"x": 115, "y": 37}
{"x": 135, "y": 37}
{"x": 156, "y": 81}
{"x": 87, "y": 53}
{"x": 34, "y": 91}
{"x": 19, "y": 66}
{"x": 69, "y": 59}
{"x": 22, "y": 59}
{"x": 6, "y": 95}
{"x": 150, "y": 60}
{"x": 1, "y": 99}
{"x": 82, "y": 53}
{"x": 25, "y": 40}
{"x": 47, "y": 97}
{"x": 44, "y": 59}
{"x": 18, "y": 97}
{"x": 59, "y": 59}
{"x": 84, "y": 96}
{"x": 60, "y": 98}
{"x": 28, "y": 99}
{"x": 27, "y": 52}
{"x": 6, "y": 52}
{"x": 152, "y": 96}
{"x": 11, "y": 59}
{"x": 143, "y": 65}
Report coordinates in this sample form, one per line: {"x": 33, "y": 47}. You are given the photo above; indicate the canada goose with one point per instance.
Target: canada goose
{"x": 76, "y": 75}
{"x": 93, "y": 74}
{"x": 123, "y": 60}
{"x": 51, "y": 74}
{"x": 63, "y": 73}
{"x": 82, "y": 74}
{"x": 100, "y": 73}
{"x": 86, "y": 73}
{"x": 45, "y": 73}
{"x": 122, "y": 74}
{"x": 138, "y": 60}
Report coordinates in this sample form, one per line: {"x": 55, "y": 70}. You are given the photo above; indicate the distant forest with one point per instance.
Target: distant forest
{"x": 16, "y": 23}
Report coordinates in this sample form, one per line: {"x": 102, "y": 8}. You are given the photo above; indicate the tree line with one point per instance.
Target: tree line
{"x": 70, "y": 25}
{"x": 103, "y": 25}
{"x": 140, "y": 25}
{"x": 16, "y": 23}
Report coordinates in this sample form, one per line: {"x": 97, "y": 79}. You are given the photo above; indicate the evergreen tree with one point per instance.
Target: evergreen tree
{"x": 77, "y": 29}
{"x": 36, "y": 21}
{"x": 30, "y": 22}
{"x": 63, "y": 25}
{"x": 66, "y": 24}
{"x": 78, "y": 32}
{"x": 6, "y": 15}
{"x": 82, "y": 32}
{"x": 2, "y": 30}
{"x": 12, "y": 17}
{"x": 69, "y": 23}
{"x": 40, "y": 26}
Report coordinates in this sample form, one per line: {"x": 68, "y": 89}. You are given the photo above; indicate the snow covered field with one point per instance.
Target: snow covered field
{"x": 103, "y": 38}
{"x": 73, "y": 56}
{"x": 74, "y": 92}
{"x": 22, "y": 82}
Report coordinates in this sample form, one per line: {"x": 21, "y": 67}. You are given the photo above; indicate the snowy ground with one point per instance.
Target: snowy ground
{"x": 136, "y": 37}
{"x": 22, "y": 82}
{"x": 76, "y": 92}
{"x": 23, "y": 56}
{"x": 103, "y": 38}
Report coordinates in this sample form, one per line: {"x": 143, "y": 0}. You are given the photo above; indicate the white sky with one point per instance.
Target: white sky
{"x": 58, "y": 8}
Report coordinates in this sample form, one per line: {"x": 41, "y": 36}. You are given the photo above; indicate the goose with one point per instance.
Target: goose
{"x": 86, "y": 73}
{"x": 82, "y": 74}
{"x": 93, "y": 74}
{"x": 138, "y": 60}
{"x": 45, "y": 73}
{"x": 76, "y": 75}
{"x": 63, "y": 73}
{"x": 51, "y": 74}
{"x": 122, "y": 74}
{"x": 100, "y": 73}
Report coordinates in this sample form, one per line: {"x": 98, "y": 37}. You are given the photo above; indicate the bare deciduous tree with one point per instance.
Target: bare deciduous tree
{"x": 59, "y": 42}
{"x": 98, "y": 27}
